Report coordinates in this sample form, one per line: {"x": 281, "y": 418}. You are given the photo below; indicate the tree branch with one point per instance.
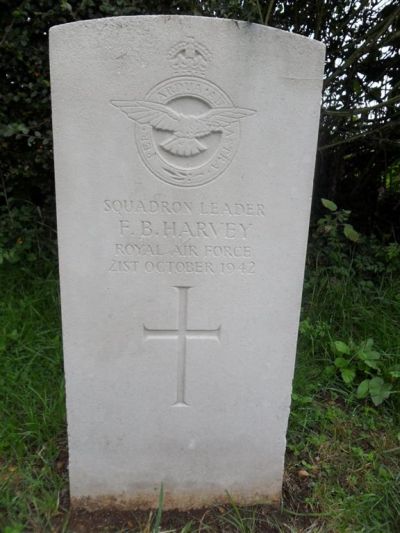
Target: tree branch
{"x": 357, "y": 111}
{"x": 269, "y": 12}
{"x": 260, "y": 11}
{"x": 358, "y": 136}
{"x": 370, "y": 40}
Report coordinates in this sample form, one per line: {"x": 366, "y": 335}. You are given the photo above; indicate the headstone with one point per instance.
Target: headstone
{"x": 184, "y": 158}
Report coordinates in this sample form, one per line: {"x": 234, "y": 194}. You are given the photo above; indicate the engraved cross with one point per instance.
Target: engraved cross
{"x": 182, "y": 334}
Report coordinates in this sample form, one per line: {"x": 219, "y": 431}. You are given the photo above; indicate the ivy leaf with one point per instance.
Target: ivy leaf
{"x": 362, "y": 389}
{"x": 348, "y": 374}
{"x": 350, "y": 233}
{"x": 342, "y": 347}
{"x": 379, "y": 390}
{"x": 329, "y": 204}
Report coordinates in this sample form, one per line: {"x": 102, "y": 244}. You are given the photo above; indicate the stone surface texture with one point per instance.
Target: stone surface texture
{"x": 184, "y": 157}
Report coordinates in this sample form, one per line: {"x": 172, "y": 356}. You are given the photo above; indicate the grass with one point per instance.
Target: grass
{"x": 31, "y": 400}
{"x": 343, "y": 460}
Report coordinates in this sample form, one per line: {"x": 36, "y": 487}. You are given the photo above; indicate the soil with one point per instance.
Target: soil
{"x": 140, "y": 521}
{"x": 295, "y": 491}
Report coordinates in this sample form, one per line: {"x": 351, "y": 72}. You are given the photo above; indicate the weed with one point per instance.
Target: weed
{"x": 363, "y": 362}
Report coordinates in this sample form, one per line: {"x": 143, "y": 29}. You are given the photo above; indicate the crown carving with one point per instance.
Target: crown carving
{"x": 188, "y": 57}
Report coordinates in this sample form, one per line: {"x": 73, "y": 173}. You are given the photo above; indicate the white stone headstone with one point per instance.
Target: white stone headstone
{"x": 184, "y": 155}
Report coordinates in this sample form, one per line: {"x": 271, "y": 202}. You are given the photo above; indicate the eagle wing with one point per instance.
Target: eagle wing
{"x": 219, "y": 118}
{"x": 159, "y": 116}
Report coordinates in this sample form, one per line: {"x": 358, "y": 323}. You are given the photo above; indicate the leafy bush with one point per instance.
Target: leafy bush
{"x": 336, "y": 247}
{"x": 24, "y": 235}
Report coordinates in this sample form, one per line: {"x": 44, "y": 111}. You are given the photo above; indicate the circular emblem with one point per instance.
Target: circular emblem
{"x": 197, "y": 150}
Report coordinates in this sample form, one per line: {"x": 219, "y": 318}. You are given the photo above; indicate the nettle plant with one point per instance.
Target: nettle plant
{"x": 336, "y": 223}
{"x": 363, "y": 365}
{"x": 342, "y": 251}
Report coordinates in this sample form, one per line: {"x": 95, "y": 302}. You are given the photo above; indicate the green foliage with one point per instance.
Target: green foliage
{"x": 26, "y": 164}
{"x": 355, "y": 265}
{"x": 336, "y": 247}
{"x": 32, "y": 415}
{"x": 337, "y": 440}
{"x": 24, "y": 235}
{"x": 361, "y": 364}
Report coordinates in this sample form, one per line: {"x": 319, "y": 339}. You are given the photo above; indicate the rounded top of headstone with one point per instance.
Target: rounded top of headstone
{"x": 123, "y": 21}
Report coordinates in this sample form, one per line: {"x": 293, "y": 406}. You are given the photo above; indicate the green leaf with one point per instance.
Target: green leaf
{"x": 329, "y": 204}
{"x": 372, "y": 356}
{"x": 368, "y": 356}
{"x": 362, "y": 389}
{"x": 348, "y": 374}
{"x": 66, "y": 5}
{"x": 341, "y": 362}
{"x": 342, "y": 347}
{"x": 372, "y": 364}
{"x": 376, "y": 384}
{"x": 379, "y": 390}
{"x": 350, "y": 233}
{"x": 394, "y": 371}
{"x": 369, "y": 343}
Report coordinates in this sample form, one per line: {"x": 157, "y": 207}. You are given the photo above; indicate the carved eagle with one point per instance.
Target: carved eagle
{"x": 186, "y": 129}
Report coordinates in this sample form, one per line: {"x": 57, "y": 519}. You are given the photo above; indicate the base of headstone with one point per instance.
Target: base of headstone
{"x": 178, "y": 502}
